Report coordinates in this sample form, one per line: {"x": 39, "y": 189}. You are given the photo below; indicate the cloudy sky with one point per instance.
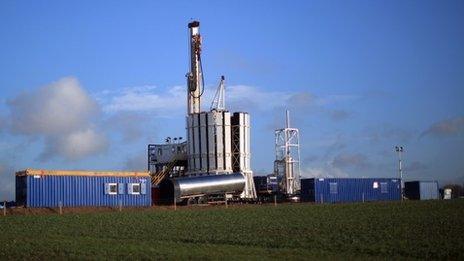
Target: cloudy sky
{"x": 88, "y": 85}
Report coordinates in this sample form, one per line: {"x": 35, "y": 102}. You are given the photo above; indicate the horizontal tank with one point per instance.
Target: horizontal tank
{"x": 202, "y": 185}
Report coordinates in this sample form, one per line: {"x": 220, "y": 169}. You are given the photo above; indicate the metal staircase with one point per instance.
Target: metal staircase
{"x": 159, "y": 176}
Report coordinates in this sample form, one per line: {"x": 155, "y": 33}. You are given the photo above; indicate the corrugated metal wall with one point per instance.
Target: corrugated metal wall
{"x": 324, "y": 190}
{"x": 429, "y": 190}
{"x": 76, "y": 191}
{"x": 421, "y": 190}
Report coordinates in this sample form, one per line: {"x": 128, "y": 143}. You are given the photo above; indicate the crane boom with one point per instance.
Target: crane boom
{"x": 219, "y": 100}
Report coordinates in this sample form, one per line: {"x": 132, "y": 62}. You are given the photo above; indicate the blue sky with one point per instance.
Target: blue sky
{"x": 87, "y": 85}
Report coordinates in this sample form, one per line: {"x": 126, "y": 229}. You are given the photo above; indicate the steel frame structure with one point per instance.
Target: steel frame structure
{"x": 287, "y": 162}
{"x": 241, "y": 153}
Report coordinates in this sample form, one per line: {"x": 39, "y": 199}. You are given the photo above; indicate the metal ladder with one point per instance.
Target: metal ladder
{"x": 161, "y": 175}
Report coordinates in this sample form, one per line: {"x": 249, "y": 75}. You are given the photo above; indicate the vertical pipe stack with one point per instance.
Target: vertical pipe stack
{"x": 209, "y": 137}
{"x": 204, "y": 142}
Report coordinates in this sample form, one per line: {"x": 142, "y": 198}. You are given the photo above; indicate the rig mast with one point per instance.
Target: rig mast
{"x": 195, "y": 83}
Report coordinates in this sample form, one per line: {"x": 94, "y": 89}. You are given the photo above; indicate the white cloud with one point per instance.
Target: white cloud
{"x": 60, "y": 107}
{"x": 145, "y": 98}
{"x": 63, "y": 115}
{"x": 173, "y": 101}
{"x": 243, "y": 97}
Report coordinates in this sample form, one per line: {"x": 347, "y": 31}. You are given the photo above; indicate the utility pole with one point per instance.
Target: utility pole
{"x": 399, "y": 150}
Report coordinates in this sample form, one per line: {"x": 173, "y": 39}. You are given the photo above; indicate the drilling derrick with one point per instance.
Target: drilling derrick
{"x": 209, "y": 165}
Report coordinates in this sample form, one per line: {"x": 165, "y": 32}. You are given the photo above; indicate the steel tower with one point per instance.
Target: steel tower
{"x": 287, "y": 162}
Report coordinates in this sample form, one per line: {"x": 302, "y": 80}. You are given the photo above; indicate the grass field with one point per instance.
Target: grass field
{"x": 431, "y": 229}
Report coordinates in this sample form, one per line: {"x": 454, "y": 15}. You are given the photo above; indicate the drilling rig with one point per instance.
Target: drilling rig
{"x": 215, "y": 158}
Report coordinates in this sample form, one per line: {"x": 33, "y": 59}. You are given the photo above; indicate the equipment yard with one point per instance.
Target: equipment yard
{"x": 411, "y": 229}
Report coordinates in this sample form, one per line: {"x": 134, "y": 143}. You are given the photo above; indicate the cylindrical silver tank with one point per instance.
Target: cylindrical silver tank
{"x": 211, "y": 184}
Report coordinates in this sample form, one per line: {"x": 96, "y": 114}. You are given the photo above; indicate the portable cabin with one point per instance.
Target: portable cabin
{"x": 68, "y": 188}
{"x": 421, "y": 190}
{"x": 333, "y": 190}
{"x": 267, "y": 184}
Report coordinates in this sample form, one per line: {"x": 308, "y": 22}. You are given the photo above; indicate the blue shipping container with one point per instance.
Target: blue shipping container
{"x": 325, "y": 190}
{"x": 44, "y": 188}
{"x": 421, "y": 190}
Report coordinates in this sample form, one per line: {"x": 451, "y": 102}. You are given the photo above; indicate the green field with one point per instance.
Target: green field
{"x": 430, "y": 229}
